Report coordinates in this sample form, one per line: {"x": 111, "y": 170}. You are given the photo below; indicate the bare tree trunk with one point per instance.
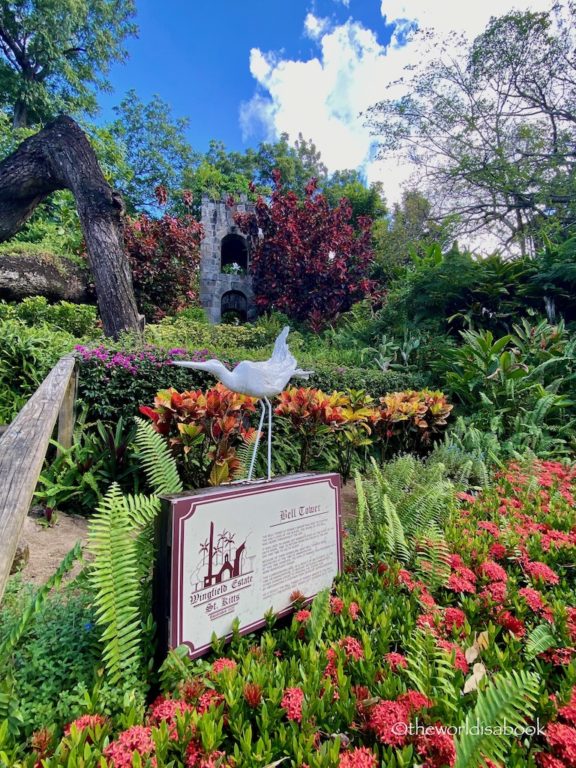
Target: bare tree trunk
{"x": 60, "y": 157}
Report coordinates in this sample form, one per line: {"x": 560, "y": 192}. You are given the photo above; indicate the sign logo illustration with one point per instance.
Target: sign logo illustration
{"x": 221, "y": 559}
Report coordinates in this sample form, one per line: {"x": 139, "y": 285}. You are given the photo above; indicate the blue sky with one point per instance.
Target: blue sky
{"x": 196, "y": 55}
{"x": 247, "y": 71}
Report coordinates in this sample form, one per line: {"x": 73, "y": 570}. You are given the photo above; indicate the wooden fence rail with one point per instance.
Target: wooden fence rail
{"x": 23, "y": 448}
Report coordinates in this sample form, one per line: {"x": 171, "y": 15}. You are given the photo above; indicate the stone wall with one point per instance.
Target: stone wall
{"x": 218, "y": 221}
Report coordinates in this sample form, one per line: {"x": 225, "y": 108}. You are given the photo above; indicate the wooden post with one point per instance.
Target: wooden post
{"x": 24, "y": 446}
{"x": 67, "y": 415}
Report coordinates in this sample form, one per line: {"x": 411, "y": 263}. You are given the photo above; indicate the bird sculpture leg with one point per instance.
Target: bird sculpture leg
{"x": 269, "y": 404}
{"x": 257, "y": 443}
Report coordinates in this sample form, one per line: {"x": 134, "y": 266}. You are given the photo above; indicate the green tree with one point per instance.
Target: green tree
{"x": 408, "y": 230}
{"x": 492, "y": 129}
{"x": 55, "y": 53}
{"x": 156, "y": 147}
{"x": 365, "y": 200}
{"x": 297, "y": 163}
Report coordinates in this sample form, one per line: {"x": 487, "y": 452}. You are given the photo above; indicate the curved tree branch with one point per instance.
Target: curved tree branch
{"x": 61, "y": 157}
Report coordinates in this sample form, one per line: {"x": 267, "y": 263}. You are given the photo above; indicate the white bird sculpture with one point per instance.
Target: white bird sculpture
{"x": 261, "y": 380}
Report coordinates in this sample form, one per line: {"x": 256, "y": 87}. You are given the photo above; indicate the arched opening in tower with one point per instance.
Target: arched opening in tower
{"x": 234, "y": 255}
{"x": 234, "y": 307}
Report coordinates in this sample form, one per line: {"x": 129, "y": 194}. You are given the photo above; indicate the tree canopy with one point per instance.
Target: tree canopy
{"x": 55, "y": 53}
{"x": 492, "y": 129}
{"x": 157, "y": 150}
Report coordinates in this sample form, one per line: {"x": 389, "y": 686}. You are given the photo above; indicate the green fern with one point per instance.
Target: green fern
{"x": 430, "y": 669}
{"x": 320, "y": 614}
{"x": 433, "y": 558}
{"x": 114, "y": 575}
{"x": 244, "y": 456}
{"x": 157, "y": 462}
{"x": 360, "y": 540}
{"x": 393, "y": 530}
{"x": 511, "y": 699}
{"x": 121, "y": 539}
{"x": 539, "y": 640}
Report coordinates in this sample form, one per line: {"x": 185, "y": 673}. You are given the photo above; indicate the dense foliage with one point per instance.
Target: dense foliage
{"x": 443, "y": 384}
{"x": 464, "y": 617}
{"x": 164, "y": 254}
{"x": 308, "y": 261}
{"x": 54, "y": 54}
{"x": 314, "y": 430}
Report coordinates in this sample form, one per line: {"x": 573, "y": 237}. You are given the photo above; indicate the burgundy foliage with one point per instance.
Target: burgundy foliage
{"x": 309, "y": 262}
{"x": 164, "y": 256}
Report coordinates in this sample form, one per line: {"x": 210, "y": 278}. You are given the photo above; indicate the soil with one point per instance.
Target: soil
{"x": 49, "y": 544}
{"x": 349, "y": 499}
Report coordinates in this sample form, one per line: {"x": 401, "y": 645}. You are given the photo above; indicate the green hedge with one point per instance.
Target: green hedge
{"x": 375, "y": 382}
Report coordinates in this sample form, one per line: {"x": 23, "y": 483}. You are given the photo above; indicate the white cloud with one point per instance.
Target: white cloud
{"x": 322, "y": 97}
{"x": 315, "y": 27}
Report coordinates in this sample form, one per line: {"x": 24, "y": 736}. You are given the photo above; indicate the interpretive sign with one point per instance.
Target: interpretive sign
{"x": 238, "y": 551}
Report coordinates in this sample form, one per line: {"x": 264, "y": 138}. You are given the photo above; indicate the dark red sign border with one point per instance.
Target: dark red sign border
{"x": 167, "y": 582}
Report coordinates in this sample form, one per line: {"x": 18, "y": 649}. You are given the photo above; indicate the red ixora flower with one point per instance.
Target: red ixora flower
{"x": 395, "y": 660}
{"x": 302, "y": 615}
{"x": 454, "y": 618}
{"x": 86, "y": 721}
{"x": 336, "y": 605}
{"x": 352, "y": 648}
{"x": 511, "y": 623}
{"x": 210, "y": 698}
{"x": 360, "y": 757}
{"x": 540, "y": 571}
{"x": 292, "y": 702}
{"x": 561, "y": 739}
{"x": 138, "y": 738}
{"x": 167, "y": 710}
{"x": 437, "y": 748}
{"x": 492, "y": 571}
{"x": 458, "y": 583}
{"x": 353, "y": 611}
{"x": 568, "y": 712}
{"x": 414, "y": 701}
{"x": 221, "y": 664}
{"x": 389, "y": 721}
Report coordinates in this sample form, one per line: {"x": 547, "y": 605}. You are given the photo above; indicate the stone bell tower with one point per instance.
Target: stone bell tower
{"x": 225, "y": 283}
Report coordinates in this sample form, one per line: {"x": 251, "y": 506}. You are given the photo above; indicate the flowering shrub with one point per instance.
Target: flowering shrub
{"x": 112, "y": 383}
{"x": 394, "y": 668}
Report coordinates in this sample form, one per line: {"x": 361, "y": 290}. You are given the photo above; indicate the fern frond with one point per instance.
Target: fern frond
{"x": 511, "y": 699}
{"x": 430, "y": 669}
{"x": 157, "y": 462}
{"x": 539, "y": 640}
{"x": 114, "y": 576}
{"x": 427, "y": 504}
{"x": 361, "y": 537}
{"x": 433, "y": 559}
{"x": 244, "y": 454}
{"x": 319, "y": 615}
{"x": 394, "y": 532}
